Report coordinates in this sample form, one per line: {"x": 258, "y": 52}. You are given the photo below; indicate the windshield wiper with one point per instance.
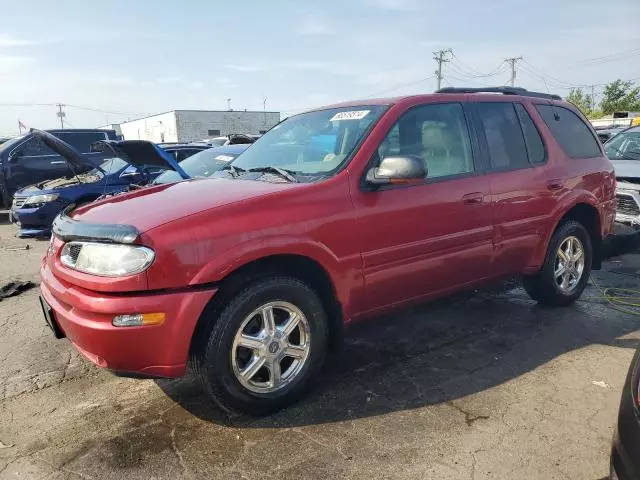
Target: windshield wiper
{"x": 621, "y": 154}
{"x": 286, "y": 174}
{"x": 233, "y": 170}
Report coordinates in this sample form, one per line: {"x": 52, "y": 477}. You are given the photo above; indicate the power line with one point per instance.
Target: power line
{"x": 464, "y": 68}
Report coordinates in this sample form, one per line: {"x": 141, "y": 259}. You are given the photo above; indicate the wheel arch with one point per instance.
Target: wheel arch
{"x": 302, "y": 267}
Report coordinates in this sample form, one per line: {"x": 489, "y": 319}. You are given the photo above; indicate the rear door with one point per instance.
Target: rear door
{"x": 32, "y": 162}
{"x": 435, "y": 236}
{"x": 523, "y": 193}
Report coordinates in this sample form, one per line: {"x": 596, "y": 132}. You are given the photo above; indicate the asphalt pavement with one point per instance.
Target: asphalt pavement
{"x": 484, "y": 385}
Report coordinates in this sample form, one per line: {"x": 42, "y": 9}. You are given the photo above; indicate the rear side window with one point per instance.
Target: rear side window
{"x": 532, "y": 137}
{"x": 570, "y": 131}
{"x": 504, "y": 136}
{"x": 81, "y": 141}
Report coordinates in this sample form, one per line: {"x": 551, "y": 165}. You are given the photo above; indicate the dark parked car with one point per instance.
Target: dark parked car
{"x": 625, "y": 455}
{"x": 232, "y": 139}
{"x": 128, "y": 163}
{"x": 26, "y": 160}
{"x": 204, "y": 163}
{"x": 333, "y": 216}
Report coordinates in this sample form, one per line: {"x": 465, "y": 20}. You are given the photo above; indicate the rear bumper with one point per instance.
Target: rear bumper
{"x": 150, "y": 351}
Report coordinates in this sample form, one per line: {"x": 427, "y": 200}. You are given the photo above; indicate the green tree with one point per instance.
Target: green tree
{"x": 581, "y": 100}
{"x": 620, "y": 96}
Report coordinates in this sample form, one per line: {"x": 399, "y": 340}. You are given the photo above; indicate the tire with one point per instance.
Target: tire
{"x": 546, "y": 287}
{"x": 218, "y": 367}
{"x": 5, "y": 198}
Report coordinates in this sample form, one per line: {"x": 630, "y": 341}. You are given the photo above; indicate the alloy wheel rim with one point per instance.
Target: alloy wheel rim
{"x": 569, "y": 264}
{"x": 271, "y": 347}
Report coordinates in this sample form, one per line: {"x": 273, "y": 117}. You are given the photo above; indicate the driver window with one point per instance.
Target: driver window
{"x": 436, "y": 133}
{"x": 34, "y": 148}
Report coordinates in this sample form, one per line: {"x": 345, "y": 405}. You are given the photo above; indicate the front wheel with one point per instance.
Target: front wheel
{"x": 567, "y": 267}
{"x": 266, "y": 345}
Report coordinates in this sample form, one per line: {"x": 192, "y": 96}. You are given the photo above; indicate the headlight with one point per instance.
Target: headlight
{"x": 105, "y": 259}
{"x": 36, "y": 199}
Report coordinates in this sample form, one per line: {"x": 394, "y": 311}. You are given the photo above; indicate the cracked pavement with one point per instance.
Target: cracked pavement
{"x": 485, "y": 385}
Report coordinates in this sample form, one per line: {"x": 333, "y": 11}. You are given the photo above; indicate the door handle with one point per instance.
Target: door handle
{"x": 475, "y": 198}
{"x": 555, "y": 185}
{"x": 59, "y": 162}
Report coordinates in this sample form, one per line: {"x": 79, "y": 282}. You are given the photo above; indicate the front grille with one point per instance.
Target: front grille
{"x": 18, "y": 202}
{"x": 626, "y": 204}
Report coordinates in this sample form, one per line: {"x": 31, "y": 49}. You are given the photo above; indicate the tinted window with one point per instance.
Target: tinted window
{"x": 532, "y": 137}
{"x": 571, "y": 133}
{"x": 34, "y": 148}
{"x": 504, "y": 136}
{"x": 213, "y": 133}
{"x": 184, "y": 153}
{"x": 81, "y": 141}
{"x": 436, "y": 133}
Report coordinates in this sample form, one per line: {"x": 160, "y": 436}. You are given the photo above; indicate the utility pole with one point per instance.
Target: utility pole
{"x": 441, "y": 57}
{"x": 593, "y": 99}
{"x": 60, "y": 114}
{"x": 229, "y": 104}
{"x": 512, "y": 61}
{"x": 264, "y": 110}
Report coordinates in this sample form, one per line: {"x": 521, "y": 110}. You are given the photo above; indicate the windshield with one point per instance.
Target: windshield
{"x": 314, "y": 143}
{"x": 201, "y": 164}
{"x": 9, "y": 144}
{"x": 624, "y": 146}
{"x": 109, "y": 165}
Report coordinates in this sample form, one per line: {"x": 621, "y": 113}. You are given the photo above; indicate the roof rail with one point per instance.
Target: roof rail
{"x": 504, "y": 90}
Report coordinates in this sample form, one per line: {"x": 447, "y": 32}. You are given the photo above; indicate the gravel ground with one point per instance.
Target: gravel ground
{"x": 482, "y": 386}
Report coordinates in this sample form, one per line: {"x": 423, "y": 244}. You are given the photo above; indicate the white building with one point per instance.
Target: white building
{"x": 112, "y": 126}
{"x": 195, "y": 125}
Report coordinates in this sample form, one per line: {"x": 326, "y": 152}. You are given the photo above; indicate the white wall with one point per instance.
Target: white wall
{"x": 195, "y": 125}
{"x": 158, "y": 128}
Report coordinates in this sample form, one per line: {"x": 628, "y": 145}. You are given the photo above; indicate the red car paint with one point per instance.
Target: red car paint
{"x": 374, "y": 245}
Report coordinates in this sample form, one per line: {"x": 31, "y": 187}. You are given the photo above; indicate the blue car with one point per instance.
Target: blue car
{"x": 129, "y": 164}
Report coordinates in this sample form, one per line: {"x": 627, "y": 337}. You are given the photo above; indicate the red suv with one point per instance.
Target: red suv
{"x": 336, "y": 214}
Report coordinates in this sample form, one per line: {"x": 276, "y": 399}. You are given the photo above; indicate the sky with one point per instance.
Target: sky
{"x": 127, "y": 59}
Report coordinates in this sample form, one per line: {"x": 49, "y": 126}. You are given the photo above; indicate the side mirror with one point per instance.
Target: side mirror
{"x": 398, "y": 170}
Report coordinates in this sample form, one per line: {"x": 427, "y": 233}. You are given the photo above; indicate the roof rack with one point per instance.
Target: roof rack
{"x": 504, "y": 90}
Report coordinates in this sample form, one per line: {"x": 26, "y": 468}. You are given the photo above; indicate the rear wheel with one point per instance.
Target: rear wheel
{"x": 266, "y": 345}
{"x": 567, "y": 267}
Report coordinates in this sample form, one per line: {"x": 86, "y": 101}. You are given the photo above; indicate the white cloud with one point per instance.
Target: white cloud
{"x": 15, "y": 59}
{"x": 196, "y": 85}
{"x": 314, "y": 25}
{"x": 8, "y": 40}
{"x": 394, "y": 5}
{"x": 167, "y": 80}
{"x": 243, "y": 68}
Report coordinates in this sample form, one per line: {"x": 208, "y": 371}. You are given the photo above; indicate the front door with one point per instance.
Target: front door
{"x": 421, "y": 240}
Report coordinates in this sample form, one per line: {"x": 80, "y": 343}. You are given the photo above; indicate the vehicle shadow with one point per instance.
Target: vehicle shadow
{"x": 436, "y": 353}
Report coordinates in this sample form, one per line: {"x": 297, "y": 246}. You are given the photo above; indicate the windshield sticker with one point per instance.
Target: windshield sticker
{"x": 353, "y": 115}
{"x": 224, "y": 158}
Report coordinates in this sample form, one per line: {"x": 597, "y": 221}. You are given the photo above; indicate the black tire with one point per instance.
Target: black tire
{"x": 542, "y": 286}
{"x": 213, "y": 363}
{"x": 5, "y": 198}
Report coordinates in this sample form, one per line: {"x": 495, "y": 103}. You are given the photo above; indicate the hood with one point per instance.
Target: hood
{"x": 70, "y": 154}
{"x": 154, "y": 206}
{"x": 626, "y": 168}
{"x": 141, "y": 153}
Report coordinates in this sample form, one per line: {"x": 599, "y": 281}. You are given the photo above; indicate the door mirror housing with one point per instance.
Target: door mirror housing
{"x": 398, "y": 170}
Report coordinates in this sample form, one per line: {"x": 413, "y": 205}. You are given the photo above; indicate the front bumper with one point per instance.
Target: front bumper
{"x": 36, "y": 220}
{"x": 625, "y": 455}
{"x": 159, "y": 351}
{"x": 628, "y": 204}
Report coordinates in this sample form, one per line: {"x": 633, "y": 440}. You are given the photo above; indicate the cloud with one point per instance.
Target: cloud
{"x": 393, "y": 5}
{"x": 196, "y": 85}
{"x": 15, "y": 59}
{"x": 8, "y": 40}
{"x": 312, "y": 25}
{"x": 167, "y": 80}
{"x": 243, "y": 68}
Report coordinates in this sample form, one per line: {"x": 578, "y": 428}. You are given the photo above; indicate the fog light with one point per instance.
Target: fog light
{"x": 138, "y": 319}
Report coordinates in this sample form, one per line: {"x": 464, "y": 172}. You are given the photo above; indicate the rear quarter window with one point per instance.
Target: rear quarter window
{"x": 570, "y": 131}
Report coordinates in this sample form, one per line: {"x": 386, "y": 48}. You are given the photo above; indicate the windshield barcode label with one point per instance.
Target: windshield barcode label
{"x": 352, "y": 115}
